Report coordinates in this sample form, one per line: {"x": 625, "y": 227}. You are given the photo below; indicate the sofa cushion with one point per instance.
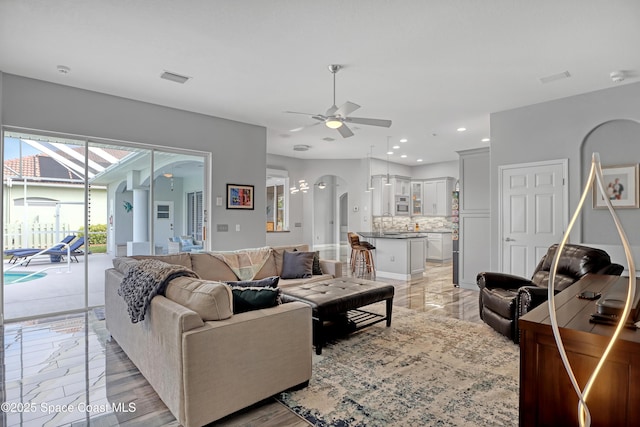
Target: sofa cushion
{"x": 211, "y": 300}
{"x": 254, "y": 298}
{"x": 211, "y": 268}
{"x": 297, "y": 265}
{"x": 183, "y": 259}
{"x": 316, "y": 269}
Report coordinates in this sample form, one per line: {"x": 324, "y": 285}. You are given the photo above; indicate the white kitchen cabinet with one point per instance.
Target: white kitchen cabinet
{"x": 439, "y": 246}
{"x": 402, "y": 186}
{"x": 416, "y": 198}
{"x": 475, "y": 217}
{"x": 382, "y": 197}
{"x": 437, "y": 197}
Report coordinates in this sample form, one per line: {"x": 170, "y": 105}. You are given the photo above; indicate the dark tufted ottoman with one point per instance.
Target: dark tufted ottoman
{"x": 335, "y": 297}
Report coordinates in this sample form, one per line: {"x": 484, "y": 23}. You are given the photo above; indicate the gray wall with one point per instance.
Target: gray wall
{"x": 436, "y": 170}
{"x": 301, "y": 206}
{"x": 618, "y": 143}
{"x": 557, "y": 130}
{"x": 238, "y": 149}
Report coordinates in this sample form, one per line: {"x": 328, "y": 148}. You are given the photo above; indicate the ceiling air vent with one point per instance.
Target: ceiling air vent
{"x": 328, "y": 139}
{"x": 301, "y": 147}
{"x": 554, "y": 77}
{"x": 174, "y": 77}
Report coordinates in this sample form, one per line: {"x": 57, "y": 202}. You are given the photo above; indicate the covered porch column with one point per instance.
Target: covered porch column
{"x": 140, "y": 244}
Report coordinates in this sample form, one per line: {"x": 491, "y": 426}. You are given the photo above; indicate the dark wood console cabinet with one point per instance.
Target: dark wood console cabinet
{"x": 546, "y": 395}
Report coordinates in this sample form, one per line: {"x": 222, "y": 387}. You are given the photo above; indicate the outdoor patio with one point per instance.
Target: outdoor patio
{"x": 62, "y": 289}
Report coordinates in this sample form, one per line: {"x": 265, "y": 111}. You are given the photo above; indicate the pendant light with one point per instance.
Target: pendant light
{"x": 369, "y": 185}
{"x": 388, "y": 176}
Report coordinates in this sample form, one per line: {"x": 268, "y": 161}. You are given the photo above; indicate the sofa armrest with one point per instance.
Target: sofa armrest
{"x": 331, "y": 267}
{"x": 500, "y": 280}
{"x": 233, "y": 363}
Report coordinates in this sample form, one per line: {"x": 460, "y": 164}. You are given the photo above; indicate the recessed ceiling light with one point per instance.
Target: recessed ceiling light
{"x": 419, "y": 160}
{"x": 301, "y": 147}
{"x": 389, "y": 152}
{"x": 396, "y": 147}
{"x": 461, "y": 129}
{"x": 404, "y": 156}
{"x": 486, "y": 139}
{"x": 404, "y": 140}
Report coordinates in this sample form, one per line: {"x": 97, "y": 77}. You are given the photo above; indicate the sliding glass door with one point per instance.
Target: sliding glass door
{"x": 70, "y": 206}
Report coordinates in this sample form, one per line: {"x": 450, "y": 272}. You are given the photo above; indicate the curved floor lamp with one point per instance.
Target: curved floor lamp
{"x": 584, "y": 417}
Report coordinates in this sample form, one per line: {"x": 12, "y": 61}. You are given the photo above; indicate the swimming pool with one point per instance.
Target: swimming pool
{"x": 16, "y": 277}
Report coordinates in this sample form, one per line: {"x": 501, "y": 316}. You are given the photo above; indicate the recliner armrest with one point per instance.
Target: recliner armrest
{"x": 529, "y": 297}
{"x": 491, "y": 280}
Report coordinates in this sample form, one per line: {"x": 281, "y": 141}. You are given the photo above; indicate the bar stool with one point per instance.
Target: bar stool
{"x": 361, "y": 256}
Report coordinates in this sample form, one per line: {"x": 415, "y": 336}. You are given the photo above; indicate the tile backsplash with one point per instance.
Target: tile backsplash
{"x": 404, "y": 223}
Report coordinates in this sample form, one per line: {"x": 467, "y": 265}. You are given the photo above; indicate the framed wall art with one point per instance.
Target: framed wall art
{"x": 239, "y": 196}
{"x": 621, "y": 186}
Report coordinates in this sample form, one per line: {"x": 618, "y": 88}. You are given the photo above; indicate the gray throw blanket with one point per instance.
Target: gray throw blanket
{"x": 146, "y": 279}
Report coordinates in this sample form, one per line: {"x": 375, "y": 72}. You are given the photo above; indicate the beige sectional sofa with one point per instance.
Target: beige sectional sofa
{"x": 205, "y": 370}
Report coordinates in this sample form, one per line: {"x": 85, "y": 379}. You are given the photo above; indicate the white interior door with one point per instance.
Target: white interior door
{"x": 533, "y": 213}
{"x": 163, "y": 225}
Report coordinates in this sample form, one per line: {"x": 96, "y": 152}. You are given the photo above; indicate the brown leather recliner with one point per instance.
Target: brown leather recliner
{"x": 505, "y": 297}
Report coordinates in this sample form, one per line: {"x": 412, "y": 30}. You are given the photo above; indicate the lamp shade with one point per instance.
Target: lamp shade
{"x": 333, "y": 123}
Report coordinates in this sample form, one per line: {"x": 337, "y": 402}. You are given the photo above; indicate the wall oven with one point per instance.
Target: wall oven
{"x": 402, "y": 205}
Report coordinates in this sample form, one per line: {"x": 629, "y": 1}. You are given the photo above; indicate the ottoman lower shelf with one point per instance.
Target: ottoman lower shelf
{"x": 342, "y": 297}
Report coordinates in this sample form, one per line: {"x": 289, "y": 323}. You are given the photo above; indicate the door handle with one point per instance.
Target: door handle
{"x": 509, "y": 239}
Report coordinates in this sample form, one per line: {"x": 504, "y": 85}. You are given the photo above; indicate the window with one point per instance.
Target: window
{"x": 277, "y": 200}
{"x": 194, "y": 215}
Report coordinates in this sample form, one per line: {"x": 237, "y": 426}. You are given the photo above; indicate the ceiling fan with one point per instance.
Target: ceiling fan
{"x": 338, "y": 117}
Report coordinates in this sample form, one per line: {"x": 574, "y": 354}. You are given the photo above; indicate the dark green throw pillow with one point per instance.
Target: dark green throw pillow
{"x": 315, "y": 269}
{"x": 248, "y": 299}
{"x": 267, "y": 282}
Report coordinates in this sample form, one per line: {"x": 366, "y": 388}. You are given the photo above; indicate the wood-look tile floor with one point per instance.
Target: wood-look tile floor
{"x": 65, "y": 371}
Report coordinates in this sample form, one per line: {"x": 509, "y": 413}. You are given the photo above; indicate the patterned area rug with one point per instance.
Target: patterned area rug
{"x": 423, "y": 371}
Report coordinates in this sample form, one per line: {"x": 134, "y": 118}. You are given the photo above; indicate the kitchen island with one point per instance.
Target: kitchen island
{"x": 398, "y": 255}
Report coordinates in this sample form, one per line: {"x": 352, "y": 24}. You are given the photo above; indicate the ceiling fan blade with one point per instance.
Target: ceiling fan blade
{"x": 298, "y": 112}
{"x": 304, "y": 127}
{"x": 346, "y": 109}
{"x": 370, "y": 122}
{"x": 345, "y": 131}
{"x": 331, "y": 110}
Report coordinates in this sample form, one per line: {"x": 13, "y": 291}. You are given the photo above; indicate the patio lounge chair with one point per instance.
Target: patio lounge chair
{"x": 60, "y": 245}
{"x": 56, "y": 255}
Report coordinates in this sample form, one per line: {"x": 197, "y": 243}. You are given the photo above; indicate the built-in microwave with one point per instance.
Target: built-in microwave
{"x": 402, "y": 205}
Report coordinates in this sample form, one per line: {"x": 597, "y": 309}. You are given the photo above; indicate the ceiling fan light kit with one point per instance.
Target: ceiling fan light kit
{"x": 333, "y": 123}
{"x": 338, "y": 117}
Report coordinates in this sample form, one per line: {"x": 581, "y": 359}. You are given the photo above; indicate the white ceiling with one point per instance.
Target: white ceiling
{"x": 430, "y": 66}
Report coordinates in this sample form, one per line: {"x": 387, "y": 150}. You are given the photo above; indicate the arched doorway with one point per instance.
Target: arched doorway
{"x": 330, "y": 216}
